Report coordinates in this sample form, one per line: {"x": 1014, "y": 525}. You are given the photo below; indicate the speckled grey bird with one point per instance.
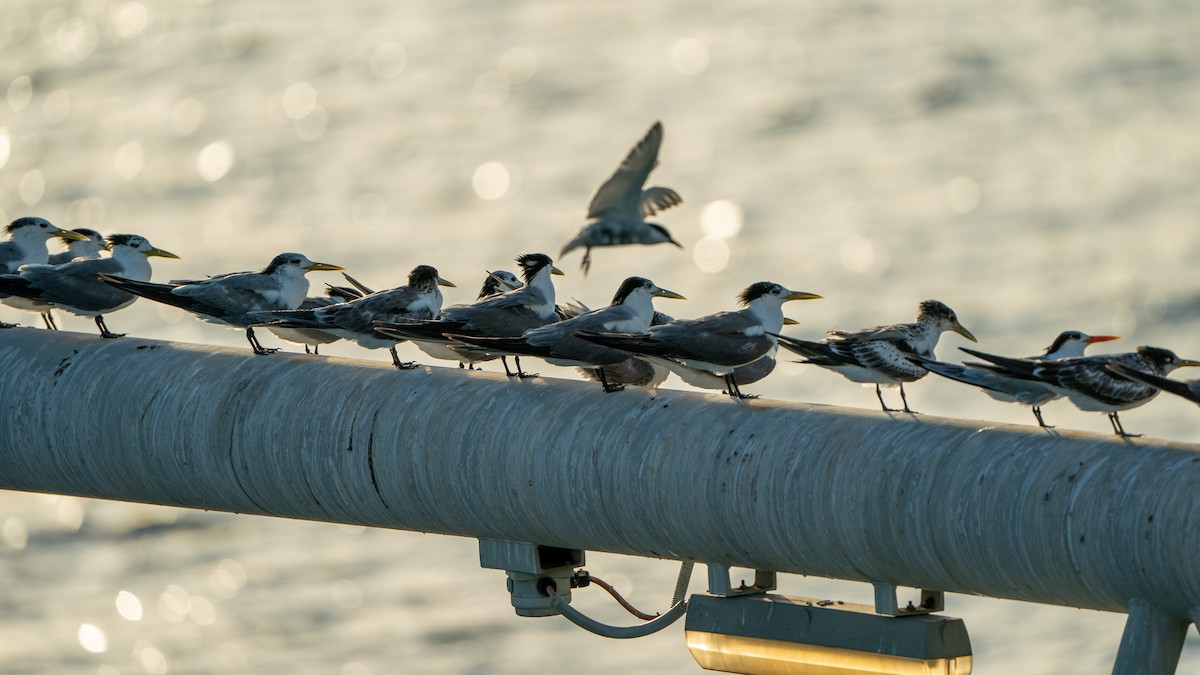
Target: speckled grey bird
{"x": 233, "y": 299}
{"x": 495, "y": 283}
{"x": 25, "y": 244}
{"x": 1189, "y": 390}
{"x": 76, "y": 287}
{"x": 355, "y": 320}
{"x": 630, "y": 311}
{"x": 718, "y": 343}
{"x": 505, "y": 315}
{"x": 880, "y": 355}
{"x": 1090, "y": 383}
{"x": 618, "y": 211}
{"x": 994, "y": 382}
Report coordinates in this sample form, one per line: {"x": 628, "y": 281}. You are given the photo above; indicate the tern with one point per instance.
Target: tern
{"x": 880, "y": 355}
{"x": 632, "y": 372}
{"x": 618, "y": 211}
{"x": 26, "y": 245}
{"x": 630, "y": 311}
{"x": 88, "y": 247}
{"x": 232, "y": 299}
{"x": 76, "y": 287}
{"x": 718, "y": 343}
{"x": 1089, "y": 383}
{"x": 495, "y": 283}
{"x": 355, "y": 319}
{"x": 506, "y": 315}
{"x": 1189, "y": 390}
{"x": 994, "y": 382}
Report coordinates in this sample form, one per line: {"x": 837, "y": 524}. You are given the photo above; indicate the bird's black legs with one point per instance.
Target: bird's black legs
{"x": 504, "y": 360}
{"x": 732, "y": 388}
{"x": 401, "y": 365}
{"x": 905, "y": 400}
{"x": 1037, "y": 412}
{"x": 104, "y": 331}
{"x": 610, "y": 388}
{"x": 879, "y": 395}
{"x": 520, "y": 373}
{"x": 1118, "y": 428}
{"x": 587, "y": 260}
{"x": 254, "y": 344}
{"x": 307, "y": 350}
{"x": 49, "y": 321}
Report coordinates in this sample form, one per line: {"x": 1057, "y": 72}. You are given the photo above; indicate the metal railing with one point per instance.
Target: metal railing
{"x": 1054, "y": 517}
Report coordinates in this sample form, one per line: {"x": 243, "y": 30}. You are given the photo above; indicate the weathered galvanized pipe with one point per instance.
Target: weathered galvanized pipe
{"x": 1011, "y": 512}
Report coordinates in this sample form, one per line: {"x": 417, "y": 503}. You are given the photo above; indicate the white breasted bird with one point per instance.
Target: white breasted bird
{"x": 354, "y": 320}
{"x": 233, "y": 299}
{"x": 994, "y": 382}
{"x": 1089, "y": 381}
{"x": 618, "y": 211}
{"x": 880, "y": 355}
{"x": 630, "y": 311}
{"x": 76, "y": 287}
{"x": 25, "y": 244}
{"x": 506, "y": 315}
{"x": 718, "y": 343}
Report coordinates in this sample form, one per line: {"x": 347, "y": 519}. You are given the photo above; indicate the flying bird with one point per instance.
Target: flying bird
{"x": 718, "y": 343}
{"x": 76, "y": 287}
{"x": 355, "y": 319}
{"x": 234, "y": 299}
{"x": 618, "y": 211}
{"x": 994, "y": 382}
{"x": 630, "y": 311}
{"x": 880, "y": 355}
{"x": 1089, "y": 382}
{"x": 505, "y": 315}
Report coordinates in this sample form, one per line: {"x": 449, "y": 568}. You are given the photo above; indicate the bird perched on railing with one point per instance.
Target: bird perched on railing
{"x": 25, "y": 244}
{"x": 1089, "y": 382}
{"x": 355, "y": 319}
{"x": 89, "y": 247}
{"x": 630, "y": 311}
{"x": 718, "y": 343}
{"x": 880, "y": 355}
{"x": 76, "y": 287}
{"x": 618, "y": 211}
{"x": 995, "y": 382}
{"x": 505, "y": 315}
{"x": 1189, "y": 390}
{"x": 232, "y": 299}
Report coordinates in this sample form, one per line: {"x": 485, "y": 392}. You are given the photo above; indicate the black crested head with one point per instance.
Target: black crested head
{"x": 423, "y": 276}
{"x": 935, "y": 309}
{"x": 92, "y": 235}
{"x": 1063, "y": 338}
{"x": 757, "y": 290}
{"x": 1157, "y": 355}
{"x": 629, "y": 286}
{"x": 532, "y": 263}
{"x": 283, "y": 260}
{"x": 491, "y": 286}
{"x": 125, "y": 240}
{"x": 27, "y": 221}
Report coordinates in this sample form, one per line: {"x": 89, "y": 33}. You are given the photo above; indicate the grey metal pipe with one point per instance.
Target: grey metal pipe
{"x": 1151, "y": 642}
{"x": 1013, "y": 512}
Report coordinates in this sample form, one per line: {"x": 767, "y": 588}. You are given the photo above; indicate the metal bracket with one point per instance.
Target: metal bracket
{"x": 530, "y": 568}
{"x": 886, "y": 604}
{"x": 719, "y": 583}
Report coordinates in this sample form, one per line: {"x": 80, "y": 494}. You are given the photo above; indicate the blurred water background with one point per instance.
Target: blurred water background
{"x": 1032, "y": 164}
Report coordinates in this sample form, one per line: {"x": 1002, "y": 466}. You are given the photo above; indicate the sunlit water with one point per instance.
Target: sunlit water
{"x": 1031, "y": 164}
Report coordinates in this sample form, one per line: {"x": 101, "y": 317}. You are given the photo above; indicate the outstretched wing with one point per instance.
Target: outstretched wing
{"x": 623, "y": 190}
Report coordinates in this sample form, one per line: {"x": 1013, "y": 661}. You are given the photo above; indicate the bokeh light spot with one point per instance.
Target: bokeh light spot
{"x": 388, "y": 60}
{"x": 690, "y": 56}
{"x": 722, "y": 218}
{"x": 128, "y": 606}
{"x": 215, "y": 160}
{"x": 92, "y": 639}
{"x": 491, "y": 180}
{"x": 20, "y": 91}
{"x": 711, "y": 254}
{"x": 964, "y": 194}
{"x": 129, "y": 160}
